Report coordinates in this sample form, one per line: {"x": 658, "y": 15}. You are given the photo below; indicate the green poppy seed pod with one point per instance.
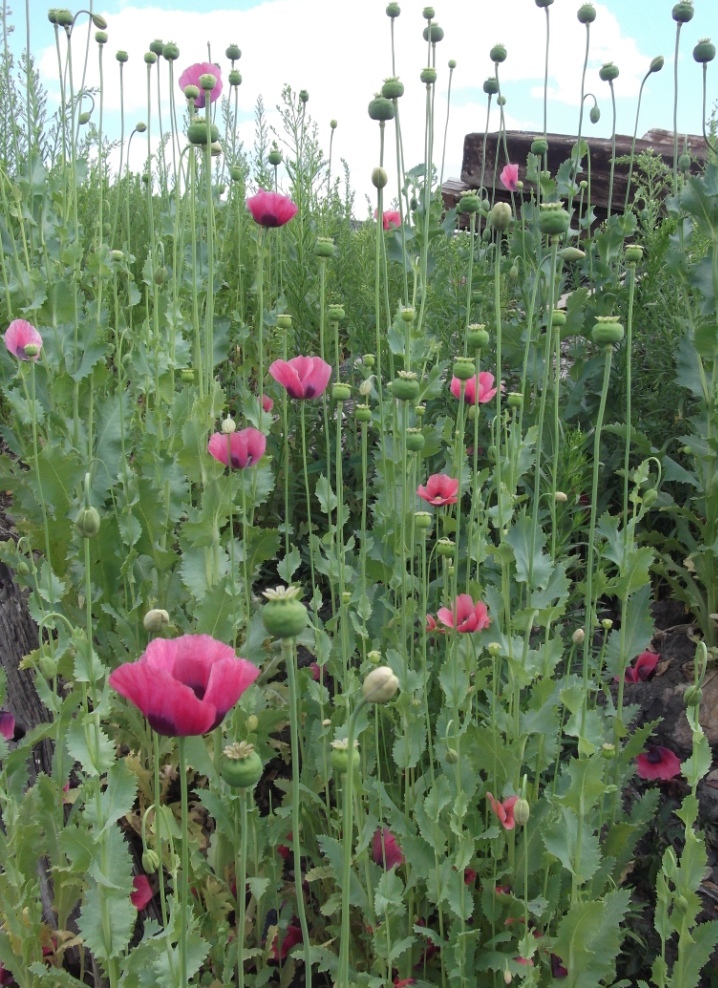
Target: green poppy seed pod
{"x": 423, "y": 520}
{"x": 514, "y": 399}
{"x": 341, "y": 391}
{"x": 682, "y": 12}
{"x": 240, "y": 765}
{"x": 452, "y": 64}
{"x": 558, "y": 317}
{"x": 445, "y": 548}
{"x": 84, "y": 117}
{"x": 684, "y": 161}
{"x": 284, "y": 615}
{"x": 275, "y": 156}
{"x": 553, "y": 219}
{"x": 380, "y": 685}
{"x": 379, "y": 178}
{"x": 187, "y": 375}
{"x": 284, "y": 320}
{"x": 235, "y": 173}
{"x": 101, "y": 37}
{"x": 572, "y": 254}
{"x": 477, "y": 336}
{"x": 522, "y": 810}
{"x": 324, "y": 247}
{"x": 704, "y": 51}
{"x": 233, "y": 52}
{"x": 381, "y": 108}
{"x": 150, "y": 861}
{"x": 420, "y": 411}
{"x": 31, "y": 349}
{"x": 121, "y": 56}
{"x": 52, "y": 15}
{"x": 498, "y": 53}
{"x": 428, "y": 75}
{"x": 500, "y": 216}
{"x": 170, "y": 52}
{"x": 64, "y": 17}
{"x": 594, "y": 114}
{"x": 414, "y": 440}
{"x": 150, "y": 58}
{"x": 368, "y": 360}
{"x": 392, "y": 88}
{"x": 303, "y": 96}
{"x": 335, "y": 312}
{"x": 405, "y": 386}
{"x": 543, "y": 3}
{"x": 235, "y": 77}
{"x": 362, "y": 413}
{"x": 433, "y": 32}
{"x": 608, "y": 751}
{"x": 607, "y": 331}
{"x": 633, "y": 253}
{"x": 228, "y": 426}
{"x": 88, "y": 523}
{"x": 491, "y": 86}
{"x": 693, "y": 696}
{"x": 157, "y": 47}
{"x": 191, "y": 91}
{"x": 428, "y": 13}
{"x": 408, "y": 314}
{"x": 393, "y": 10}
{"x": 583, "y": 184}
{"x": 539, "y": 146}
{"x": 586, "y": 13}
{"x": 208, "y": 80}
{"x": 155, "y": 620}
{"x": 657, "y": 64}
{"x": 464, "y": 368}
{"x": 469, "y": 203}
{"x": 197, "y": 132}
{"x": 608, "y": 72}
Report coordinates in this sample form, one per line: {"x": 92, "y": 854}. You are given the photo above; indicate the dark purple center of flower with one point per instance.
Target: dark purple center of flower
{"x": 654, "y": 756}
{"x": 162, "y": 725}
{"x": 269, "y": 219}
{"x": 309, "y": 391}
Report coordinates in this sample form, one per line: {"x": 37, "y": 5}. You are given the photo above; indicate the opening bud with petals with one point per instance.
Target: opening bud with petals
{"x": 155, "y": 620}
{"x": 380, "y": 685}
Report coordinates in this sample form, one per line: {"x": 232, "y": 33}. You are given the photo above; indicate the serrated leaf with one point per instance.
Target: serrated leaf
{"x": 560, "y": 838}
{"x": 389, "y": 895}
{"x": 121, "y": 917}
{"x": 288, "y": 566}
{"x": 410, "y": 744}
{"x": 89, "y": 745}
{"x": 116, "y": 800}
{"x": 327, "y": 498}
{"x": 531, "y": 562}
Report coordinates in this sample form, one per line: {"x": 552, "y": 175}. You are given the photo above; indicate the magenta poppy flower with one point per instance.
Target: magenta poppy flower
{"x": 271, "y": 208}
{"x": 267, "y": 403}
{"x": 20, "y": 334}
{"x": 190, "y": 77}
{"x": 557, "y": 968}
{"x": 657, "y": 762}
{"x": 7, "y": 725}
{"x": 439, "y": 489}
{"x": 184, "y": 686}
{"x": 302, "y": 377}
{"x": 465, "y": 616}
{"x": 238, "y": 450}
{"x": 390, "y": 218}
{"x": 477, "y": 390}
{"x": 503, "y": 810}
{"x": 641, "y": 667}
{"x": 142, "y": 894}
{"x": 6, "y": 977}
{"x": 385, "y": 849}
{"x": 510, "y": 177}
{"x": 292, "y": 936}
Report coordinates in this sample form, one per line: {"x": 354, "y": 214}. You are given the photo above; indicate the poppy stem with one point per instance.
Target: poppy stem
{"x": 241, "y": 881}
{"x": 184, "y": 864}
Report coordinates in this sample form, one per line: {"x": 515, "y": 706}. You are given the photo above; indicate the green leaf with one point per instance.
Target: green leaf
{"x": 637, "y": 632}
{"x": 116, "y": 800}
{"x": 327, "y": 498}
{"x": 89, "y": 745}
{"x": 692, "y": 959}
{"x": 560, "y": 838}
{"x": 288, "y": 566}
{"x": 410, "y": 744}
{"x": 389, "y": 895}
{"x": 531, "y": 562}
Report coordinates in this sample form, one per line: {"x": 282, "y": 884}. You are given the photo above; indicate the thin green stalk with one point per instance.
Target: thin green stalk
{"x": 184, "y": 865}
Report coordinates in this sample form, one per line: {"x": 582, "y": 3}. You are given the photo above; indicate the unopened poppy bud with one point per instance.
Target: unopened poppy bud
{"x": 578, "y": 637}
{"x": 333, "y": 124}
{"x": 650, "y": 497}
{"x": 452, "y": 756}
{"x": 423, "y": 520}
{"x": 84, "y": 117}
{"x": 121, "y": 56}
{"x": 684, "y": 161}
{"x": 502, "y": 102}
{"x": 303, "y": 96}
{"x": 252, "y": 723}
{"x": 367, "y": 386}
{"x": 150, "y": 861}
{"x": 452, "y": 64}
{"x": 140, "y": 126}
{"x": 233, "y": 52}
{"x": 88, "y": 523}
{"x": 498, "y": 53}
{"x": 380, "y": 685}
{"x": 594, "y": 114}
{"x": 235, "y": 173}
{"x": 572, "y": 254}
{"x": 228, "y": 426}
{"x": 170, "y": 52}
{"x": 500, "y": 216}
{"x": 150, "y": 58}
{"x": 379, "y": 178}
{"x": 155, "y": 620}
{"x": 117, "y": 255}
{"x": 522, "y": 812}
{"x": 561, "y": 497}
{"x": 693, "y": 696}
{"x": 235, "y": 77}
{"x": 341, "y": 392}
{"x": 191, "y": 91}
{"x": 657, "y": 64}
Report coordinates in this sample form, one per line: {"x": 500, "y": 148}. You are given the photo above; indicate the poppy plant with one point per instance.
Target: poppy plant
{"x": 302, "y": 377}
{"x": 390, "y": 219}
{"x": 385, "y": 849}
{"x": 238, "y": 450}
{"x": 21, "y": 334}
{"x": 439, "y": 490}
{"x": 142, "y": 894}
{"x": 190, "y": 77}
{"x": 184, "y": 686}
{"x": 510, "y": 177}
{"x": 465, "y": 615}
{"x": 271, "y": 208}
{"x": 477, "y": 390}
{"x": 658, "y": 762}
{"x": 7, "y": 725}
{"x": 503, "y": 810}
{"x": 641, "y": 668}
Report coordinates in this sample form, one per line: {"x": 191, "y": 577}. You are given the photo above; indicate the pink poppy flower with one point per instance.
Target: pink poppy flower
{"x": 390, "y": 218}
{"x": 465, "y": 616}
{"x": 292, "y": 936}
{"x": 439, "y": 490}
{"x": 267, "y": 403}
{"x": 6, "y": 977}
{"x": 469, "y": 876}
{"x": 143, "y": 894}
{"x": 385, "y": 849}
{"x": 641, "y": 668}
{"x": 557, "y": 968}
{"x": 510, "y": 177}
{"x": 20, "y": 334}
{"x": 503, "y": 810}
{"x": 184, "y": 686}
{"x": 271, "y": 208}
{"x": 477, "y": 390}
{"x": 302, "y": 377}
{"x": 403, "y": 982}
{"x": 658, "y": 763}
{"x": 7, "y": 725}
{"x": 190, "y": 77}
{"x": 238, "y": 450}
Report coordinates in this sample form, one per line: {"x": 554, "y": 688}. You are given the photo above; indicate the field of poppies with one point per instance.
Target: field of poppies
{"x": 343, "y": 539}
